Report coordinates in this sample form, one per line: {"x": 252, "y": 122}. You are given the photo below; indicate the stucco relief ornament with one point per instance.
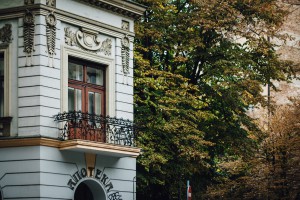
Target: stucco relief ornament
{"x": 6, "y": 33}
{"x": 70, "y": 37}
{"x": 125, "y": 56}
{"x": 51, "y": 3}
{"x": 28, "y": 2}
{"x": 125, "y": 25}
{"x": 106, "y": 47}
{"x": 51, "y": 36}
{"x": 88, "y": 40}
{"x": 28, "y": 32}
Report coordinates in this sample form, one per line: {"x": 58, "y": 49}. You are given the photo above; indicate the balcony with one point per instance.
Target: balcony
{"x": 97, "y": 134}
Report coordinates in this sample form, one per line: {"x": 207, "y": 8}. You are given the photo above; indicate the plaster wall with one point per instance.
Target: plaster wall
{"x": 44, "y": 173}
{"x": 36, "y": 89}
{"x": 39, "y": 84}
{"x": 11, "y": 3}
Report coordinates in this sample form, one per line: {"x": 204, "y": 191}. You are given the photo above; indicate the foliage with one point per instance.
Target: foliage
{"x": 170, "y": 136}
{"x": 199, "y": 65}
{"x": 273, "y": 173}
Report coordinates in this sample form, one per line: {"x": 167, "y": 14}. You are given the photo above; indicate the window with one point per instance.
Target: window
{"x": 107, "y": 66}
{"x": 1, "y": 84}
{"x": 5, "y": 119}
{"x": 86, "y": 88}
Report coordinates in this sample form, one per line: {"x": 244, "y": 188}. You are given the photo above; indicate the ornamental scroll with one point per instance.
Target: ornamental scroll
{"x": 88, "y": 40}
{"x": 28, "y": 32}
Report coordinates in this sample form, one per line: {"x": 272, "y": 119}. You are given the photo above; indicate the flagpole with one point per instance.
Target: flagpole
{"x": 187, "y": 189}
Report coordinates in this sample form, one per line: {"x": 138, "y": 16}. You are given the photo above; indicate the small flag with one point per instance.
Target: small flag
{"x": 189, "y": 191}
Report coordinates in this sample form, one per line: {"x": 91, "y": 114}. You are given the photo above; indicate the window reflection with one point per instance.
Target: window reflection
{"x": 75, "y": 71}
{"x": 74, "y": 99}
{"x": 94, "y": 76}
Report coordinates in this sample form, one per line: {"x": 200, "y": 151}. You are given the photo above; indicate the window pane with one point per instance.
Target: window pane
{"x": 74, "y": 99}
{"x": 71, "y": 102}
{"x": 98, "y": 103}
{"x": 1, "y": 64}
{"x": 1, "y": 85}
{"x": 75, "y": 71}
{"x": 78, "y": 100}
{"x": 1, "y": 97}
{"x": 94, "y": 76}
{"x": 91, "y": 103}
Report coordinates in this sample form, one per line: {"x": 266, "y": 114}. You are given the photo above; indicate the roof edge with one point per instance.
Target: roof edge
{"x": 124, "y": 7}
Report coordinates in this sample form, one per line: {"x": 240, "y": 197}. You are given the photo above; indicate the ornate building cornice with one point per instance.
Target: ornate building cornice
{"x": 123, "y": 7}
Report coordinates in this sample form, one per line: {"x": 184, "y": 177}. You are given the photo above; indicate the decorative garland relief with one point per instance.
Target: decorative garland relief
{"x": 51, "y": 36}
{"x": 125, "y": 55}
{"x": 28, "y": 33}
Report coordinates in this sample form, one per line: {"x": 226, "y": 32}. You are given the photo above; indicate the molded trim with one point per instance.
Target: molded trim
{"x": 67, "y": 17}
{"x": 109, "y": 76}
{"x": 74, "y": 145}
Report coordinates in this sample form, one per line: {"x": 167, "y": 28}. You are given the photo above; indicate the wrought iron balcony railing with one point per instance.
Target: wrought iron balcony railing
{"x": 85, "y": 126}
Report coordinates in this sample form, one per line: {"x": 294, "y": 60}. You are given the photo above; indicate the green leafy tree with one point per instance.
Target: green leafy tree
{"x": 199, "y": 65}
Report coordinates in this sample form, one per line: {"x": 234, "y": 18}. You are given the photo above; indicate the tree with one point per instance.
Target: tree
{"x": 173, "y": 144}
{"x": 199, "y": 65}
{"x": 273, "y": 172}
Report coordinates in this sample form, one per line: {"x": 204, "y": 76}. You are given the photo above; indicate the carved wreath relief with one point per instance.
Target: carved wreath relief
{"x": 51, "y": 36}
{"x": 87, "y": 40}
{"x": 125, "y": 55}
{"x": 6, "y": 34}
{"x": 28, "y": 32}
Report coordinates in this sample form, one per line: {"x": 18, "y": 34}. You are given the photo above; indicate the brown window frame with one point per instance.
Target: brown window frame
{"x": 86, "y": 87}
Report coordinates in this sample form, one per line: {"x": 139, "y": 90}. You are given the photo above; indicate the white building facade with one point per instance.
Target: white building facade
{"x": 66, "y": 99}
